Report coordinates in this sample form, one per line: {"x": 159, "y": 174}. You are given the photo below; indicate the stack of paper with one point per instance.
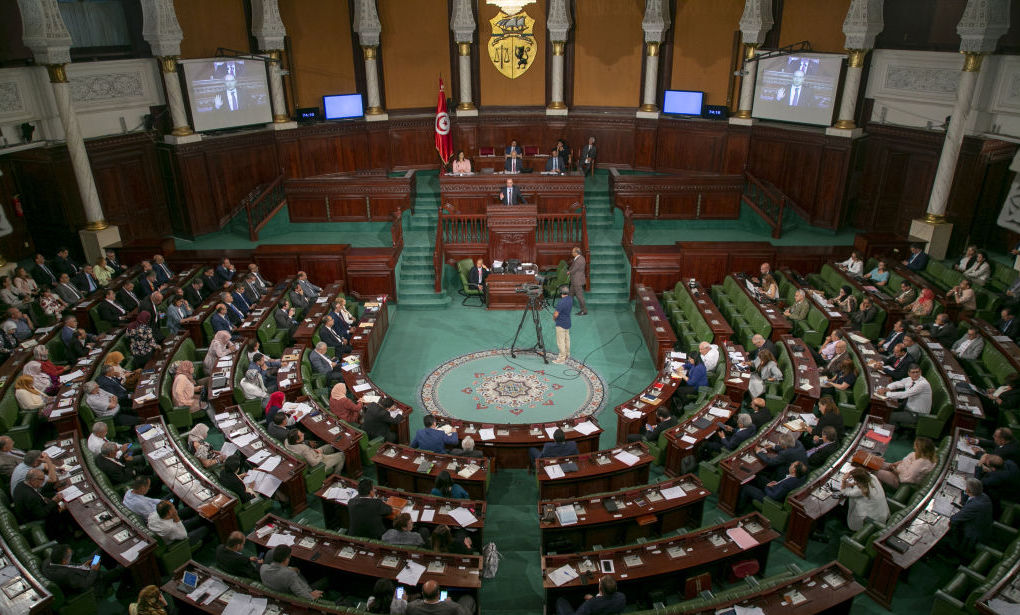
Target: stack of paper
{"x": 627, "y": 457}
{"x": 563, "y": 574}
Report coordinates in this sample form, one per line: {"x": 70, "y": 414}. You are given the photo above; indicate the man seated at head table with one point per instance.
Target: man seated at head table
{"x": 510, "y": 195}
{"x": 588, "y": 153}
{"x": 555, "y": 163}
{"x": 477, "y": 275}
{"x": 513, "y": 163}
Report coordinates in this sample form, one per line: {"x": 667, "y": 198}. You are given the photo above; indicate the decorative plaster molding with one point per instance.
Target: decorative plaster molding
{"x": 922, "y": 79}
{"x": 160, "y": 27}
{"x": 656, "y": 21}
{"x": 11, "y": 101}
{"x": 267, "y": 25}
{"x": 558, "y": 24}
{"x": 863, "y": 23}
{"x": 44, "y": 32}
{"x": 756, "y": 21}
{"x": 366, "y": 23}
{"x": 982, "y": 25}
{"x": 462, "y": 22}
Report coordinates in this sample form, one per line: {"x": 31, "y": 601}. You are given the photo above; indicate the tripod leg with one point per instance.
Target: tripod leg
{"x": 513, "y": 345}
{"x": 538, "y": 331}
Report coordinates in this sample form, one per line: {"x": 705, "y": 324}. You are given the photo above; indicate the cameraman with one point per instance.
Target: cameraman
{"x": 562, "y": 318}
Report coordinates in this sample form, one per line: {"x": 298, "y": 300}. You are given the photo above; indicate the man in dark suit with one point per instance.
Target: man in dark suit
{"x": 127, "y": 298}
{"x": 328, "y": 334}
{"x": 819, "y": 454}
{"x": 109, "y": 310}
{"x": 29, "y": 502}
{"x": 788, "y": 450}
{"x": 234, "y": 314}
{"x": 377, "y": 420}
{"x": 799, "y": 94}
{"x": 972, "y": 523}
{"x": 577, "y": 274}
{"x": 147, "y": 283}
{"x": 776, "y": 490}
{"x": 193, "y": 293}
{"x": 559, "y": 447}
{"x": 239, "y": 301}
{"x": 114, "y": 263}
{"x": 917, "y": 260}
{"x": 151, "y": 305}
{"x": 555, "y": 163}
{"x": 298, "y": 299}
{"x": 250, "y": 289}
{"x": 63, "y": 264}
{"x": 510, "y": 195}
{"x": 898, "y": 364}
{"x": 310, "y": 290}
{"x": 163, "y": 272}
{"x": 115, "y": 470}
{"x": 999, "y": 477}
{"x": 261, "y": 282}
{"x": 588, "y": 154}
{"x": 225, "y": 271}
{"x": 231, "y": 559}
{"x": 608, "y": 601}
{"x": 211, "y": 282}
{"x": 367, "y": 512}
{"x": 744, "y": 431}
{"x": 69, "y": 578}
{"x": 284, "y": 317}
{"x": 43, "y": 275}
{"x": 322, "y": 364}
{"x": 1007, "y": 324}
{"x": 1003, "y": 444}
{"x": 67, "y": 291}
{"x": 886, "y": 345}
{"x": 219, "y": 319}
{"x": 477, "y": 275}
{"x": 513, "y": 164}
{"x": 665, "y": 421}
{"x": 759, "y": 342}
{"x": 760, "y": 414}
{"x": 943, "y": 330}
{"x": 113, "y": 386}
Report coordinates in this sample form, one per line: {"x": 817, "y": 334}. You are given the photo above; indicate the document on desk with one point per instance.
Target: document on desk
{"x": 627, "y": 457}
{"x": 358, "y": 388}
{"x": 632, "y": 414}
{"x": 967, "y": 465}
{"x": 487, "y": 433}
{"x": 740, "y": 536}
{"x": 132, "y": 553}
{"x": 563, "y": 574}
{"x": 673, "y": 493}
{"x": 411, "y": 573}
{"x": 70, "y": 493}
{"x": 228, "y": 449}
{"x": 243, "y": 604}
{"x": 258, "y": 457}
{"x": 586, "y": 428}
{"x": 554, "y": 471}
{"x": 270, "y": 464}
{"x": 280, "y": 538}
{"x": 551, "y": 430}
{"x": 463, "y": 516}
{"x": 689, "y": 440}
{"x": 53, "y": 452}
{"x": 245, "y": 440}
{"x": 64, "y": 379}
{"x": 428, "y": 515}
{"x": 722, "y": 413}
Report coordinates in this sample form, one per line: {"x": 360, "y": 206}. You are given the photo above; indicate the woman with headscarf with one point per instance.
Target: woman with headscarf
{"x": 185, "y": 392}
{"x": 8, "y": 341}
{"x": 115, "y": 360}
{"x": 29, "y": 396}
{"x": 342, "y": 406}
{"x": 219, "y": 347}
{"x": 922, "y": 306}
{"x": 141, "y": 343}
{"x": 274, "y": 405}
{"x": 40, "y": 379}
{"x": 42, "y": 354}
{"x": 201, "y": 448}
{"x": 252, "y": 387}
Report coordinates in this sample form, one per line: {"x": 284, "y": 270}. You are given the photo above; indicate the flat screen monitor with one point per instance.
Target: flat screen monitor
{"x": 342, "y": 106}
{"x": 683, "y": 102}
{"x": 227, "y": 93}
{"x": 797, "y": 88}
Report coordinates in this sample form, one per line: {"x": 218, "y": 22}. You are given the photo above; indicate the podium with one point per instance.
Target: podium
{"x": 512, "y": 232}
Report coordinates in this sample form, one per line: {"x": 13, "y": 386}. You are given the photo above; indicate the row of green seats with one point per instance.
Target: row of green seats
{"x": 738, "y": 310}
{"x": 811, "y": 329}
{"x": 830, "y": 281}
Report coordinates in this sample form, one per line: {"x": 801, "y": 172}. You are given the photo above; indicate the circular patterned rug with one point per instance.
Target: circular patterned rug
{"x": 490, "y": 386}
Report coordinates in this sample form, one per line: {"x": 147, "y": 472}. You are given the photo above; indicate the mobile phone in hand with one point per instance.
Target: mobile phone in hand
{"x": 400, "y": 593}
{"x": 442, "y": 595}
{"x": 95, "y": 560}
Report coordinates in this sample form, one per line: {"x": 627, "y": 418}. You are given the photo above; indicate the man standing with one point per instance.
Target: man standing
{"x": 576, "y": 271}
{"x": 510, "y": 195}
{"x": 562, "y": 318}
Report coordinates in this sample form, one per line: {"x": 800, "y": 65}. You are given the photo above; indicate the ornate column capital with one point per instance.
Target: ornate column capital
{"x": 855, "y": 57}
{"x": 558, "y": 25}
{"x": 862, "y": 24}
{"x": 462, "y": 22}
{"x": 43, "y": 31}
{"x": 161, "y": 29}
{"x": 370, "y": 51}
{"x": 656, "y": 21}
{"x": 56, "y": 73}
{"x": 366, "y": 23}
{"x": 168, "y": 64}
{"x": 972, "y": 61}
{"x": 982, "y": 25}
{"x": 756, "y": 21}
{"x": 267, "y": 25}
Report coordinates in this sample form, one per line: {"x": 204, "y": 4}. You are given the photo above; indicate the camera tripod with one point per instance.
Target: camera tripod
{"x": 534, "y": 307}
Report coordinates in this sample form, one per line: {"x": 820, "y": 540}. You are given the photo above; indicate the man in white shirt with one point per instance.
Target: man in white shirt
{"x": 98, "y": 438}
{"x": 915, "y": 392}
{"x": 166, "y": 523}
{"x": 103, "y": 404}
{"x": 33, "y": 459}
{"x": 969, "y": 346}
{"x": 10, "y": 457}
{"x": 137, "y": 502}
{"x": 709, "y": 355}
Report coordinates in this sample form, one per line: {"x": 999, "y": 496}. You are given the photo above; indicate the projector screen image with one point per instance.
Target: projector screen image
{"x": 682, "y": 102}
{"x": 797, "y": 88}
{"x": 342, "y": 106}
{"x": 227, "y": 92}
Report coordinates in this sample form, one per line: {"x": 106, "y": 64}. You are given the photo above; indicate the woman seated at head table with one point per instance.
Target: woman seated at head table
{"x": 879, "y": 276}
{"x": 866, "y": 499}
{"x": 912, "y": 469}
{"x": 201, "y": 448}
{"x": 461, "y": 164}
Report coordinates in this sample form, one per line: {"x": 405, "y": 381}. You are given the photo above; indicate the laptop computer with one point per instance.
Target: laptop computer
{"x": 188, "y": 582}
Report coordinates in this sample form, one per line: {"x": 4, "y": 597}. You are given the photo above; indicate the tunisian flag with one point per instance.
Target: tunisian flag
{"x": 444, "y": 145}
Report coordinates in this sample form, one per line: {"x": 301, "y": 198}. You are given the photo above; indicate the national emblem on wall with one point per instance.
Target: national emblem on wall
{"x": 512, "y": 46}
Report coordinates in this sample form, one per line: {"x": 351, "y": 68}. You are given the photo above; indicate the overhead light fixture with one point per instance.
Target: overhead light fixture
{"x": 510, "y": 7}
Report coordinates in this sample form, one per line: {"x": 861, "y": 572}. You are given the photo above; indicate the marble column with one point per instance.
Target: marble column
{"x": 750, "y": 69}
{"x": 374, "y": 110}
{"x": 851, "y": 89}
{"x": 556, "y": 105}
{"x": 651, "y": 78}
{"x": 76, "y": 149}
{"x": 280, "y": 114}
{"x": 464, "y": 68}
{"x": 174, "y": 98}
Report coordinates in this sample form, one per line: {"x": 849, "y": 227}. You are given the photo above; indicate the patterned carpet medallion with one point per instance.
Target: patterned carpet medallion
{"x": 490, "y": 386}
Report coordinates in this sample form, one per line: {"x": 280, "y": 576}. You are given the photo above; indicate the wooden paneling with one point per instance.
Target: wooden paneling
{"x": 691, "y": 145}
{"x": 370, "y": 271}
{"x": 323, "y": 263}
{"x": 208, "y": 26}
{"x": 126, "y": 169}
{"x": 605, "y": 52}
{"x": 349, "y": 197}
{"x": 686, "y": 195}
{"x": 414, "y": 61}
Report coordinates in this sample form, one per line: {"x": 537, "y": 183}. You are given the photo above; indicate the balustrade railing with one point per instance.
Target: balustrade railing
{"x": 767, "y": 201}
{"x": 261, "y": 205}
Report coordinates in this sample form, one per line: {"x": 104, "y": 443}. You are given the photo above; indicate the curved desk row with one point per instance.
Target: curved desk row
{"x": 410, "y": 469}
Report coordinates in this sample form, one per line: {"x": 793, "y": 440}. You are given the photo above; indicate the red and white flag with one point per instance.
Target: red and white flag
{"x": 444, "y": 145}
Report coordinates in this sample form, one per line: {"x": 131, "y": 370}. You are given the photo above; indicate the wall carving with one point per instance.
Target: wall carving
{"x": 10, "y": 98}
{"x": 102, "y": 88}
{"x": 922, "y": 79}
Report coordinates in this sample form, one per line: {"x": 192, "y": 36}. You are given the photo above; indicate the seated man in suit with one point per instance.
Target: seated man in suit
{"x": 224, "y": 272}
{"x": 278, "y": 575}
{"x": 193, "y": 292}
{"x": 819, "y": 454}
{"x": 559, "y": 447}
{"x": 800, "y": 308}
{"x": 260, "y": 282}
{"x": 23, "y": 327}
{"x": 759, "y": 342}
{"x": 907, "y": 294}
{"x": 431, "y": 438}
{"x": 86, "y": 280}
{"x": 477, "y": 275}
{"x": 1002, "y": 444}
{"x": 299, "y": 299}
{"x": 378, "y": 419}
{"x": 234, "y": 313}
{"x": 608, "y": 601}
{"x": 10, "y": 457}
{"x": 943, "y": 330}
{"x": 586, "y": 163}
{"x": 999, "y": 477}
{"x": 284, "y": 317}
{"x": 760, "y": 414}
{"x": 776, "y": 490}
{"x": 513, "y": 164}
{"x": 147, "y": 283}
{"x": 555, "y": 163}
{"x": 111, "y": 385}
{"x": 322, "y": 364}
{"x": 250, "y": 289}
{"x": 119, "y": 472}
{"x": 127, "y": 298}
{"x": 888, "y": 343}
{"x": 897, "y": 365}
{"x": 328, "y": 334}
{"x": 510, "y": 195}
{"x": 239, "y": 301}
{"x": 163, "y": 272}
{"x": 30, "y": 502}
{"x": 67, "y": 291}
{"x": 745, "y": 430}
{"x": 219, "y": 320}
{"x": 79, "y": 345}
{"x": 42, "y": 273}
{"x": 211, "y": 282}
{"x": 267, "y": 369}
{"x": 109, "y": 310}
{"x": 63, "y": 263}
{"x": 917, "y": 260}
{"x": 665, "y": 421}
{"x": 1007, "y": 324}
{"x": 970, "y": 345}
{"x": 230, "y": 558}
{"x": 310, "y": 290}
{"x": 788, "y": 450}
{"x": 114, "y": 263}
{"x": 971, "y": 524}
{"x": 513, "y": 147}
{"x": 71, "y": 578}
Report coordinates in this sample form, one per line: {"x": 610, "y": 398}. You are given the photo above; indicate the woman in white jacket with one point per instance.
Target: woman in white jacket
{"x": 766, "y": 371}
{"x": 979, "y": 271}
{"x": 866, "y": 498}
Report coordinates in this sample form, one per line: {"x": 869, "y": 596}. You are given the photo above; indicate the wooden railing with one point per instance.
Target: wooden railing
{"x": 455, "y": 228}
{"x": 767, "y": 201}
{"x": 262, "y": 203}
{"x": 397, "y": 230}
{"x": 628, "y": 230}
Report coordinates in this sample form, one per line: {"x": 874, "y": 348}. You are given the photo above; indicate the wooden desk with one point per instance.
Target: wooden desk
{"x": 1006, "y": 584}
{"x": 62, "y": 412}
{"x": 930, "y": 527}
{"x": 511, "y": 442}
{"x": 681, "y": 452}
{"x": 34, "y": 599}
{"x": 237, "y": 427}
{"x": 743, "y": 465}
{"x": 289, "y": 380}
{"x": 1004, "y": 344}
{"x": 179, "y": 471}
{"x": 497, "y": 162}
{"x": 349, "y": 197}
{"x": 836, "y": 318}
{"x": 367, "y": 337}
{"x": 780, "y": 324}
{"x": 638, "y": 411}
{"x": 721, "y": 330}
{"x": 358, "y": 377}
{"x": 817, "y": 587}
{"x": 336, "y": 514}
{"x": 815, "y": 500}
{"x": 224, "y": 397}
{"x": 312, "y": 317}
{"x": 596, "y": 472}
{"x": 654, "y": 325}
{"x": 145, "y": 397}
{"x": 737, "y": 381}
{"x": 680, "y": 195}
{"x": 283, "y": 602}
{"x": 397, "y": 466}
{"x": 655, "y": 515}
{"x": 368, "y": 559}
{"x": 967, "y": 408}
{"x": 807, "y": 388}
{"x": 501, "y": 291}
{"x": 471, "y": 194}
{"x": 699, "y": 554}
{"x": 879, "y": 407}
{"x": 328, "y": 429}
{"x": 102, "y": 521}
{"x": 263, "y": 309}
